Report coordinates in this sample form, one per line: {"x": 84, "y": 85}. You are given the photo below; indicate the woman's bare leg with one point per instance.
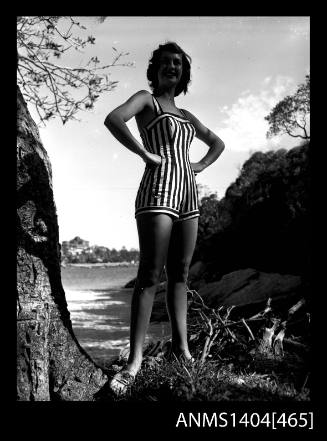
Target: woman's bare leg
{"x": 182, "y": 244}
{"x": 154, "y": 233}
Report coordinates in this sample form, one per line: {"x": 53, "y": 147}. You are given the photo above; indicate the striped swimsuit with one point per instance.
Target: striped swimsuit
{"x": 169, "y": 187}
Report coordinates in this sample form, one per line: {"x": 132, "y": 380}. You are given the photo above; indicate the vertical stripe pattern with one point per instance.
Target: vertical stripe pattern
{"x": 169, "y": 187}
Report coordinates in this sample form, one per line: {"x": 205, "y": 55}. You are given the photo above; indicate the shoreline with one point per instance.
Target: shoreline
{"x": 98, "y": 265}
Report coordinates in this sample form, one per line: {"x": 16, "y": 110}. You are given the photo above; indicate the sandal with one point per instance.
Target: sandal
{"x": 121, "y": 382}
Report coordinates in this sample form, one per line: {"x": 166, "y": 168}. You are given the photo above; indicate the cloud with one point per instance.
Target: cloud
{"x": 244, "y": 127}
{"x": 266, "y": 81}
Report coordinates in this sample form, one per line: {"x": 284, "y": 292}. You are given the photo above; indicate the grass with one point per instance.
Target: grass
{"x": 231, "y": 363}
{"x": 257, "y": 377}
{"x": 209, "y": 382}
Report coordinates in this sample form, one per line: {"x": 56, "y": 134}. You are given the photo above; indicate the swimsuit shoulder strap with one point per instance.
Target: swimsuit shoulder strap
{"x": 184, "y": 113}
{"x": 157, "y": 106}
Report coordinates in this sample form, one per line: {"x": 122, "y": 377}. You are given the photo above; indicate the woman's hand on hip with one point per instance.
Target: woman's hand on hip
{"x": 197, "y": 167}
{"x": 152, "y": 159}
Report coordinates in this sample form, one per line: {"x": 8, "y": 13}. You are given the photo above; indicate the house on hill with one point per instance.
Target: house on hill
{"x": 75, "y": 246}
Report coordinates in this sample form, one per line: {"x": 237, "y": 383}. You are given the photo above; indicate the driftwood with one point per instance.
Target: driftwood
{"x": 273, "y": 337}
{"x": 265, "y": 332}
{"x": 216, "y": 322}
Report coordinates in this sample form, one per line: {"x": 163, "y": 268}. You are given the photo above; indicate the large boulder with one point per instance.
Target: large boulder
{"x": 245, "y": 288}
{"x": 131, "y": 283}
{"x": 196, "y": 270}
{"x": 249, "y": 286}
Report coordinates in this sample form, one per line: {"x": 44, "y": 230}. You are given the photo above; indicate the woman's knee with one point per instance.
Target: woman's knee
{"x": 148, "y": 276}
{"x": 178, "y": 271}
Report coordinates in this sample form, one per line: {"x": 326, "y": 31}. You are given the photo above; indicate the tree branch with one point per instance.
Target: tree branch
{"x": 287, "y": 130}
{"x": 72, "y": 43}
{"x": 40, "y": 37}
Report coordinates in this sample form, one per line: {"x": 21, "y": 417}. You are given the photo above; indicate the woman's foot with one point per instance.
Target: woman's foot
{"x": 182, "y": 355}
{"x": 121, "y": 381}
{"x": 125, "y": 378}
{"x": 134, "y": 365}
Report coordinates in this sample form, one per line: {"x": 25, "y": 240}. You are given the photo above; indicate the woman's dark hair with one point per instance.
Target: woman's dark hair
{"x": 154, "y": 63}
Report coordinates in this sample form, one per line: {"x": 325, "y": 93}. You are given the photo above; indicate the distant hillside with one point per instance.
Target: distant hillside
{"x": 78, "y": 250}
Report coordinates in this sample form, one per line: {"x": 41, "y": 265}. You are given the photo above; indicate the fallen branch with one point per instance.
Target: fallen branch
{"x": 218, "y": 319}
{"x": 248, "y": 328}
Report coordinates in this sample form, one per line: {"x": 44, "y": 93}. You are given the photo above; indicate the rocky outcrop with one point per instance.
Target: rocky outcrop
{"x": 246, "y": 288}
{"x": 131, "y": 283}
{"x": 196, "y": 271}
{"x": 264, "y": 220}
{"x": 249, "y": 287}
{"x": 51, "y": 365}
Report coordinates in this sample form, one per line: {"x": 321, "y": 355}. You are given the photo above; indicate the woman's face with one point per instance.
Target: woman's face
{"x": 170, "y": 69}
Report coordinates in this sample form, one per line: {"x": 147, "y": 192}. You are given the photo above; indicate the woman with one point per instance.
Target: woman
{"x": 166, "y": 206}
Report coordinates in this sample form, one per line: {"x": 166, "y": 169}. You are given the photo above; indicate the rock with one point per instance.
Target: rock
{"x": 249, "y": 286}
{"x": 131, "y": 283}
{"x": 196, "y": 271}
{"x": 247, "y": 289}
{"x": 197, "y": 284}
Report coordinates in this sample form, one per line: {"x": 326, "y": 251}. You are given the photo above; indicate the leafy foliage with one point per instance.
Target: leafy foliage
{"x": 55, "y": 89}
{"x": 263, "y": 221}
{"x": 292, "y": 114}
{"x": 208, "y": 221}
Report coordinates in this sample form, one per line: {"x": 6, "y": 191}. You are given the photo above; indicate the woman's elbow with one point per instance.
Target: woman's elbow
{"x": 113, "y": 120}
{"x": 108, "y": 120}
{"x": 220, "y": 145}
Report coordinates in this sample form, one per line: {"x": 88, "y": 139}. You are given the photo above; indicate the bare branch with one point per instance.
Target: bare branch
{"x": 248, "y": 328}
{"x": 40, "y": 37}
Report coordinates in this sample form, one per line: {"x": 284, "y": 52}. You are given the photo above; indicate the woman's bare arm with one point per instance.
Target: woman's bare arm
{"x": 215, "y": 144}
{"x": 116, "y": 124}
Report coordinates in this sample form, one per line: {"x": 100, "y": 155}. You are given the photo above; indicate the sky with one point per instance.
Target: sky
{"x": 241, "y": 67}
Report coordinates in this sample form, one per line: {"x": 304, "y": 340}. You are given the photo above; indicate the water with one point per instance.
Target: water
{"x": 100, "y": 308}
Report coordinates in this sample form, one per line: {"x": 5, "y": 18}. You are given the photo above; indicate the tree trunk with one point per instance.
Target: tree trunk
{"x": 51, "y": 365}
